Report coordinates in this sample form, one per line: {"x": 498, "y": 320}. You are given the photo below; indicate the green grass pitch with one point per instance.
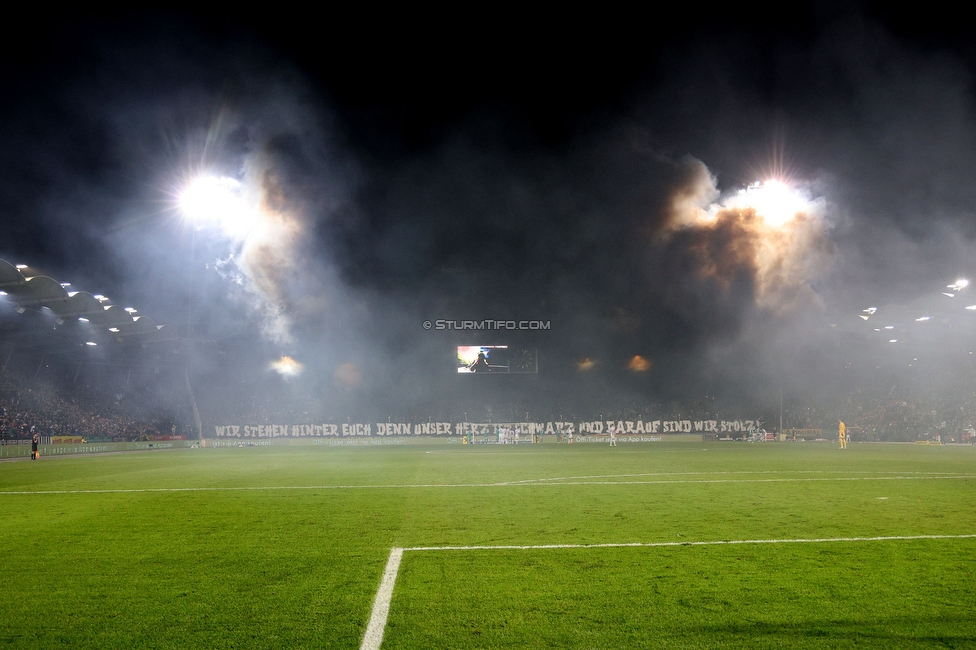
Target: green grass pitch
{"x": 285, "y": 547}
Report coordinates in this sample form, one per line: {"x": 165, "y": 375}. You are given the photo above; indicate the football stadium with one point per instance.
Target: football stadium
{"x": 367, "y": 332}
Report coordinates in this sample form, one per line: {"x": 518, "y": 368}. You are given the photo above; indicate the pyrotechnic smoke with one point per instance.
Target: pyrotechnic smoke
{"x": 266, "y": 218}
{"x": 639, "y": 364}
{"x": 269, "y": 251}
{"x": 586, "y": 364}
{"x": 771, "y": 231}
{"x": 348, "y": 375}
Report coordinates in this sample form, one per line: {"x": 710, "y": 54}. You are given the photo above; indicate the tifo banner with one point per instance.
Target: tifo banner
{"x": 66, "y": 440}
{"x": 529, "y": 429}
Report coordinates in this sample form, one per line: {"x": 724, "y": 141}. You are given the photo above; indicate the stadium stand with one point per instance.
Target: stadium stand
{"x": 143, "y": 410}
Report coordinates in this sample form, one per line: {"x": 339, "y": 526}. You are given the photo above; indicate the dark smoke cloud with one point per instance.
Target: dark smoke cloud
{"x": 586, "y": 228}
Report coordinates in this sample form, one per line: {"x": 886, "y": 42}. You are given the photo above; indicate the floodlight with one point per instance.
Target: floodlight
{"x": 892, "y": 340}
{"x": 21, "y": 266}
{"x": 3, "y": 293}
{"x": 113, "y": 329}
{"x": 210, "y": 199}
{"x": 889, "y": 327}
{"x": 923, "y": 318}
{"x": 90, "y": 343}
{"x": 83, "y": 320}
{"x": 772, "y": 200}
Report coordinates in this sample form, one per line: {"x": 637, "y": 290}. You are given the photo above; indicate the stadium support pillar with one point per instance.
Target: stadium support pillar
{"x": 9, "y": 354}
{"x": 781, "y": 409}
{"x": 197, "y": 423}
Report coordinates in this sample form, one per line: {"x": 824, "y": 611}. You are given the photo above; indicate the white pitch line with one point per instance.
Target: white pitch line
{"x": 539, "y": 483}
{"x": 718, "y": 542}
{"x": 734, "y": 473}
{"x": 381, "y": 606}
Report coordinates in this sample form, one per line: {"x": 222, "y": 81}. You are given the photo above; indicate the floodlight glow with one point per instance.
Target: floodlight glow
{"x": 892, "y": 340}
{"x": 90, "y": 343}
{"x": 870, "y": 311}
{"x": 923, "y": 318}
{"x": 958, "y": 284}
{"x": 951, "y": 295}
{"x": 113, "y": 329}
{"x": 21, "y": 266}
{"x": 863, "y": 316}
{"x": 65, "y": 284}
{"x": 3, "y": 293}
{"x": 971, "y": 307}
{"x": 772, "y": 200}
{"x": 83, "y": 320}
{"x": 99, "y": 297}
{"x": 889, "y": 327}
{"x": 210, "y": 199}
{"x": 72, "y": 293}
{"x": 130, "y": 309}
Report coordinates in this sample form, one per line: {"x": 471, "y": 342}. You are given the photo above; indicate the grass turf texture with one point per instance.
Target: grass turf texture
{"x": 245, "y": 563}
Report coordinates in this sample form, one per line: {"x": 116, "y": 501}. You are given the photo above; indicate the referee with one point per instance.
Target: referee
{"x": 34, "y": 441}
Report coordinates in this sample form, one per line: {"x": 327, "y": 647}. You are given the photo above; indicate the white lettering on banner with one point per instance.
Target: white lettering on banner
{"x": 392, "y": 429}
{"x": 528, "y": 429}
{"x": 738, "y": 425}
{"x": 349, "y": 430}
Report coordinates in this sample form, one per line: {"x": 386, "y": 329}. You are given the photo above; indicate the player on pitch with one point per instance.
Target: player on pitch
{"x": 842, "y": 435}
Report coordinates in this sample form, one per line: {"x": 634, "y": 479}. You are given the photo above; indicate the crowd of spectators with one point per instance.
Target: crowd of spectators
{"x": 146, "y": 410}
{"x": 940, "y": 413}
{"x": 146, "y": 403}
{"x": 949, "y": 417}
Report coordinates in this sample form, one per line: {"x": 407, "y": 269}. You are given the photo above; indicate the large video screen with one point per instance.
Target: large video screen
{"x": 495, "y": 359}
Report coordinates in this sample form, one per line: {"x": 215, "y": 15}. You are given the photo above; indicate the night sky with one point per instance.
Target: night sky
{"x": 423, "y": 166}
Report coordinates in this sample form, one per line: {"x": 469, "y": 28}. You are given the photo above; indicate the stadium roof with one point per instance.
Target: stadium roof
{"x": 101, "y": 321}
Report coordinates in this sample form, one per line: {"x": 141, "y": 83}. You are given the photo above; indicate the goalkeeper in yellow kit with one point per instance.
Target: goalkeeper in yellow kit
{"x": 842, "y": 435}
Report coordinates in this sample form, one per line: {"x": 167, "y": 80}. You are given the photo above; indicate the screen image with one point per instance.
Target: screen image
{"x": 495, "y": 359}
